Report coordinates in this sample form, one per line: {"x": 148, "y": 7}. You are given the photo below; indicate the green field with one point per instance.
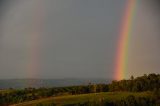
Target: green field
{"x": 72, "y": 99}
{"x": 6, "y": 91}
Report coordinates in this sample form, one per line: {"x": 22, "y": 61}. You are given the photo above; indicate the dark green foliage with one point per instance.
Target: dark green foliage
{"x": 149, "y": 82}
{"x": 144, "y": 83}
{"x": 130, "y": 101}
{"x": 27, "y": 94}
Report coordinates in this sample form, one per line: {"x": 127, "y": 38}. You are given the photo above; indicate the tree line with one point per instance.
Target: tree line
{"x": 144, "y": 83}
{"x": 149, "y": 82}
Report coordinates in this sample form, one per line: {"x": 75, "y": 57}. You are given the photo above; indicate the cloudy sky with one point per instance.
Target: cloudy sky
{"x": 75, "y": 38}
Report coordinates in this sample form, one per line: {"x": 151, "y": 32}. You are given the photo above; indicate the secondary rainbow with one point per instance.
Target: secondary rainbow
{"x": 123, "y": 43}
{"x": 33, "y": 64}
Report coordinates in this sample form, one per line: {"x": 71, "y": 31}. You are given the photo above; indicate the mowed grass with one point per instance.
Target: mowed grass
{"x": 71, "y": 99}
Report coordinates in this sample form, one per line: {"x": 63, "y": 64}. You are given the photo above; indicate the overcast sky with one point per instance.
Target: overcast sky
{"x": 74, "y": 38}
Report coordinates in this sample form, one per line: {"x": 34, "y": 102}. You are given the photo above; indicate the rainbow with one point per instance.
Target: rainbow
{"x": 123, "y": 43}
{"x": 34, "y": 51}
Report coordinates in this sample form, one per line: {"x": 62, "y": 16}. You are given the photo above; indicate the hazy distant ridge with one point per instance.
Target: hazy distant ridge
{"x": 36, "y": 83}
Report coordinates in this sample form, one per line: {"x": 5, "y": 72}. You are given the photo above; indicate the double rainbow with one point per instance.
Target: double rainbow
{"x": 122, "y": 50}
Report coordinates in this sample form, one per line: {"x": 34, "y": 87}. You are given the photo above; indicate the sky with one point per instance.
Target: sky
{"x": 75, "y": 38}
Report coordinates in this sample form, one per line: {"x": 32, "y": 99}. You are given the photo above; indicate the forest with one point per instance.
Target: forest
{"x": 149, "y": 84}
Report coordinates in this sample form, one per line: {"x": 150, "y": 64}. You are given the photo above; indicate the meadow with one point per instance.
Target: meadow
{"x": 84, "y": 98}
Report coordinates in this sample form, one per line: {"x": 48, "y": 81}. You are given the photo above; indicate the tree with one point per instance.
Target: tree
{"x": 132, "y": 78}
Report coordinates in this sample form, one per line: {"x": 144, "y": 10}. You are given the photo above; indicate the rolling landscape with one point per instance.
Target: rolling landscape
{"x": 79, "y": 53}
{"x": 140, "y": 91}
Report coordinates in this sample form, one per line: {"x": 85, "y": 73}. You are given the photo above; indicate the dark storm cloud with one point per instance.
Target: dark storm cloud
{"x": 76, "y": 38}
{"x": 82, "y": 41}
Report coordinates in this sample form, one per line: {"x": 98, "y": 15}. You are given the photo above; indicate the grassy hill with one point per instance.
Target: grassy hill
{"x": 140, "y": 91}
{"x": 83, "y": 98}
